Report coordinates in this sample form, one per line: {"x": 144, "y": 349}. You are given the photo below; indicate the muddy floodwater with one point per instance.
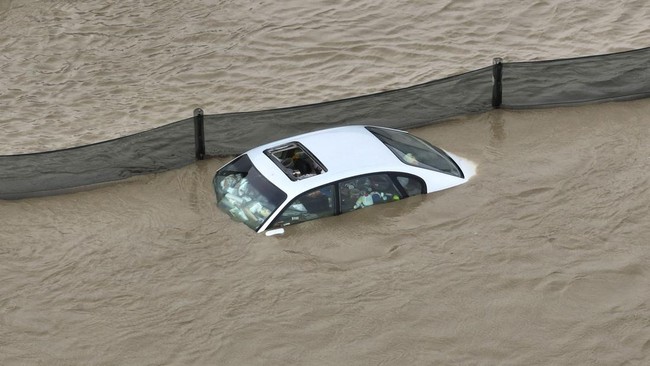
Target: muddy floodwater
{"x": 542, "y": 258}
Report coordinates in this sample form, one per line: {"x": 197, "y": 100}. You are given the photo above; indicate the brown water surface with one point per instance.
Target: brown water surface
{"x": 542, "y": 258}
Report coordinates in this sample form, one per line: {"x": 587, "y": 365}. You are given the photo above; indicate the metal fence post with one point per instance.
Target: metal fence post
{"x": 199, "y": 134}
{"x": 497, "y": 87}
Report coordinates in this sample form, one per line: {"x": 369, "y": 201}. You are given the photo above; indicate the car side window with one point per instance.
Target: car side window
{"x": 311, "y": 205}
{"x": 412, "y": 185}
{"x": 366, "y": 191}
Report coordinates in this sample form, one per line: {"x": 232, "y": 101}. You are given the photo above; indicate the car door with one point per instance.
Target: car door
{"x": 313, "y": 204}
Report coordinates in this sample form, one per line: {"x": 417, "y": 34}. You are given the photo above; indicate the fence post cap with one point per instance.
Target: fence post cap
{"x": 497, "y": 60}
{"x": 198, "y": 111}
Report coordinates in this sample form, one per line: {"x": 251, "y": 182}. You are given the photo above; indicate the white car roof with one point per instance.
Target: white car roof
{"x": 344, "y": 151}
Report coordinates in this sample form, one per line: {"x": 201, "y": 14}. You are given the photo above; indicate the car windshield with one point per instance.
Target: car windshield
{"x": 245, "y": 194}
{"x": 417, "y": 152}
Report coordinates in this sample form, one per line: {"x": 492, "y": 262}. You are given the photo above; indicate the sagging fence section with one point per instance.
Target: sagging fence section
{"x": 514, "y": 85}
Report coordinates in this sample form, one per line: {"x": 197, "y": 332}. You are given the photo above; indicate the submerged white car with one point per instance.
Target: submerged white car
{"x": 332, "y": 171}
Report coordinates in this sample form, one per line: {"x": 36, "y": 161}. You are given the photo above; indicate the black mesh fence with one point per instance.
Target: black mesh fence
{"x": 619, "y": 76}
{"x": 404, "y": 108}
{"x": 160, "y": 149}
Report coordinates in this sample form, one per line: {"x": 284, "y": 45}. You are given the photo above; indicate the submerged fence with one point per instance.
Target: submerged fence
{"x": 610, "y": 77}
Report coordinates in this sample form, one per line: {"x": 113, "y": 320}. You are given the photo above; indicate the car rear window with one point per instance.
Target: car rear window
{"x": 244, "y": 193}
{"x": 414, "y": 151}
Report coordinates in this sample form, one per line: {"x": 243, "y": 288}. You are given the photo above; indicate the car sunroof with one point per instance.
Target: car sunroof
{"x": 295, "y": 161}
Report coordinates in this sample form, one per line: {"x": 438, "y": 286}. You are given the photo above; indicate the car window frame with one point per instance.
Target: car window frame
{"x": 287, "y": 206}
{"x": 392, "y": 178}
{"x": 337, "y": 194}
{"x": 421, "y": 181}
